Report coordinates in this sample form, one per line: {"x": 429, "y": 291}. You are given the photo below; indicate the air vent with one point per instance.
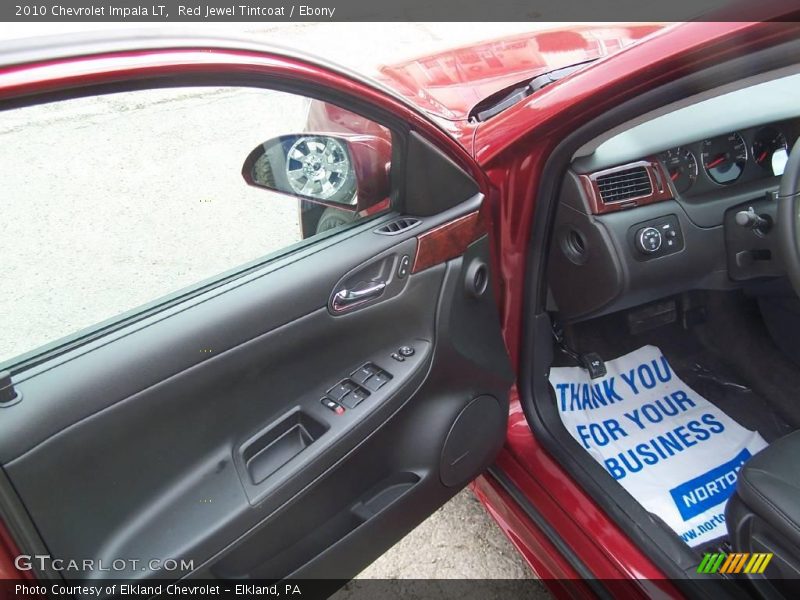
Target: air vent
{"x": 397, "y": 226}
{"x": 624, "y": 185}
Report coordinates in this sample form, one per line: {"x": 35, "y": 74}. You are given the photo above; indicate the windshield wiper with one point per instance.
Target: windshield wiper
{"x": 497, "y": 103}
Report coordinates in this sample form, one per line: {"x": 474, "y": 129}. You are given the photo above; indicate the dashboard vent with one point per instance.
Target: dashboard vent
{"x": 397, "y": 226}
{"x": 624, "y": 185}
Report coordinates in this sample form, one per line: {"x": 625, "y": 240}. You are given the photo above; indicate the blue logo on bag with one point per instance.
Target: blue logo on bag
{"x": 709, "y": 489}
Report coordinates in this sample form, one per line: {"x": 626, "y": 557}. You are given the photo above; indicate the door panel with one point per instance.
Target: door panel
{"x": 156, "y": 453}
{"x": 198, "y": 434}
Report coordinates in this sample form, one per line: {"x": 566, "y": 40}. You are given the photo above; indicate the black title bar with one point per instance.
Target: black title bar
{"x": 394, "y": 10}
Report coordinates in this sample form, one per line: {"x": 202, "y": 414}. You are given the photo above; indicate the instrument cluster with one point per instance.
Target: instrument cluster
{"x": 724, "y": 160}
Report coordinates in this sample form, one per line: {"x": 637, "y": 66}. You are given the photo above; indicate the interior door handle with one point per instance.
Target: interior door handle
{"x": 345, "y": 300}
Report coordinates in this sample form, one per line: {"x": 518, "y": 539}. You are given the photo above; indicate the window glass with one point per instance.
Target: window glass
{"x": 113, "y": 201}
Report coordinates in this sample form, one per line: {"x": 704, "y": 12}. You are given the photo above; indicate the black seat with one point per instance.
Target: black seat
{"x": 764, "y": 513}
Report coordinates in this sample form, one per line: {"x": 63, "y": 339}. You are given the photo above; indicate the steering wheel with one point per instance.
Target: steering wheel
{"x": 788, "y": 224}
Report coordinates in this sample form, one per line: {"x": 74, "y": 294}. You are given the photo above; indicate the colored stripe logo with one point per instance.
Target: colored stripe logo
{"x": 735, "y": 562}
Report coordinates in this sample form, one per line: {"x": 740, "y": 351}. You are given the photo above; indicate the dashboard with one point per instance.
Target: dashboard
{"x": 698, "y": 215}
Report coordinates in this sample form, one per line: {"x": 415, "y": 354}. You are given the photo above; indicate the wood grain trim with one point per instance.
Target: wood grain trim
{"x": 658, "y": 181}
{"x": 447, "y": 241}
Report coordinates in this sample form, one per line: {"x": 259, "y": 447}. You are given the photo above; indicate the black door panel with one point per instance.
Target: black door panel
{"x": 170, "y": 447}
{"x": 109, "y": 370}
{"x": 157, "y": 449}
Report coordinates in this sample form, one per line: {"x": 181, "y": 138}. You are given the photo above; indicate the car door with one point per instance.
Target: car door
{"x": 292, "y": 416}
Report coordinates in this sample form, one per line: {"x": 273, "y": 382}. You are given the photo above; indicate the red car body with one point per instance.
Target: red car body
{"x": 447, "y": 85}
{"x": 506, "y": 156}
{"x": 512, "y": 148}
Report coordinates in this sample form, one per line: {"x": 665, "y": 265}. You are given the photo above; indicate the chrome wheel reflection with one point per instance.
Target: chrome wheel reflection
{"x": 317, "y": 167}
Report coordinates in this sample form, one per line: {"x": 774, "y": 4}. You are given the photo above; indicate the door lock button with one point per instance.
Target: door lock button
{"x": 402, "y": 269}
{"x": 397, "y": 357}
{"x": 334, "y": 406}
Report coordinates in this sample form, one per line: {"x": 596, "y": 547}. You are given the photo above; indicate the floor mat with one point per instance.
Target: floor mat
{"x": 727, "y": 392}
{"x": 671, "y": 449}
{"x": 732, "y": 344}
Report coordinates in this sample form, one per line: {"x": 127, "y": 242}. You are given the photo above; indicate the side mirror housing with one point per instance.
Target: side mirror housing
{"x": 349, "y": 172}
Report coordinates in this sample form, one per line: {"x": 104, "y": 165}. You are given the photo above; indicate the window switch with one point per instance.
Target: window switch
{"x": 377, "y": 381}
{"x": 334, "y": 406}
{"x": 363, "y": 373}
{"x": 341, "y": 389}
{"x": 354, "y": 398}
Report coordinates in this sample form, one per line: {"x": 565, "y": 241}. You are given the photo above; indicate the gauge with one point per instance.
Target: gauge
{"x": 681, "y": 166}
{"x": 724, "y": 157}
{"x": 770, "y": 150}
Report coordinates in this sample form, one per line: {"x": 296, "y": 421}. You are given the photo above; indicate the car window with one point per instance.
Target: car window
{"x": 113, "y": 201}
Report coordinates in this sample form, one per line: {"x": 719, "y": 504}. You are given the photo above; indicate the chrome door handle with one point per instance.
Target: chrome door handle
{"x": 345, "y": 300}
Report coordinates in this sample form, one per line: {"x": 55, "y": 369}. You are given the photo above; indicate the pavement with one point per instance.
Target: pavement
{"x": 72, "y": 258}
{"x": 459, "y": 541}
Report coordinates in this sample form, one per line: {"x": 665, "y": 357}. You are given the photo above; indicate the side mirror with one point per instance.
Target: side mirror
{"x": 348, "y": 172}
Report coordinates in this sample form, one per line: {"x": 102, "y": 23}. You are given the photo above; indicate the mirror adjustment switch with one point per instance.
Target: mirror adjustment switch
{"x": 341, "y": 389}
{"x": 405, "y": 351}
{"x": 377, "y": 381}
{"x": 334, "y": 406}
{"x": 355, "y": 397}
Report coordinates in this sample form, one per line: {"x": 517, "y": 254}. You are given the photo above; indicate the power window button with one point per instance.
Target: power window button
{"x": 363, "y": 373}
{"x": 341, "y": 389}
{"x": 377, "y": 381}
{"x": 354, "y": 398}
